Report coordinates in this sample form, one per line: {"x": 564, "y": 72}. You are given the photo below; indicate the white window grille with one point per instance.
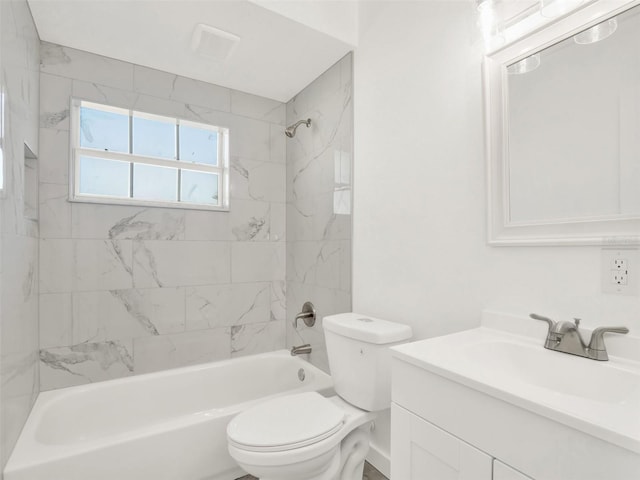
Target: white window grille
{"x": 121, "y": 156}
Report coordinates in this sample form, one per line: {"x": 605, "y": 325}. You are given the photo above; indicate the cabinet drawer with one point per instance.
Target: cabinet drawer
{"x": 422, "y": 451}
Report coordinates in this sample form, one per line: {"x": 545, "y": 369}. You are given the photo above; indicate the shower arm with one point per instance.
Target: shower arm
{"x": 290, "y": 131}
{"x": 307, "y": 122}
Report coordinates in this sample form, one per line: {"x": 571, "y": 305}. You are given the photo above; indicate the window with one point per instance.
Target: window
{"x": 122, "y": 156}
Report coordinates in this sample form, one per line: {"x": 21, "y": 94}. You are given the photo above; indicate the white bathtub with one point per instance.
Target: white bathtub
{"x": 168, "y": 425}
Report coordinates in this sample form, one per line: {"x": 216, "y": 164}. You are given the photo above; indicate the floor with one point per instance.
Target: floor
{"x": 370, "y": 473}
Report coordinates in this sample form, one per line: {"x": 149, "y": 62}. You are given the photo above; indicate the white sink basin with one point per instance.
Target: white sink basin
{"x": 598, "y": 398}
{"x": 556, "y": 372}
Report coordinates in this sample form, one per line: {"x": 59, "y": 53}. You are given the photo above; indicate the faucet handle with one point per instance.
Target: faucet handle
{"x": 597, "y": 336}
{"x": 551, "y": 323}
{"x": 597, "y": 349}
{"x": 308, "y": 314}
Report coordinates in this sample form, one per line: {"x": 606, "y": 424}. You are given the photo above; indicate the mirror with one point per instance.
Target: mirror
{"x": 563, "y": 130}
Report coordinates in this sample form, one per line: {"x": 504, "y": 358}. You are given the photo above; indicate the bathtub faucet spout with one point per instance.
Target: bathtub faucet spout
{"x": 300, "y": 349}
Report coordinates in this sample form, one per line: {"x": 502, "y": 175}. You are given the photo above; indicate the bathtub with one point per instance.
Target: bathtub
{"x": 169, "y": 425}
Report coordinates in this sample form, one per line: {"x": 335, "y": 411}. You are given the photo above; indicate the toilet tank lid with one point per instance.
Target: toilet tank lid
{"x": 366, "y": 329}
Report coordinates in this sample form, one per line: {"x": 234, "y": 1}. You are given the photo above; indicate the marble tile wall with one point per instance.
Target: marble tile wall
{"x": 19, "y": 58}
{"x": 127, "y": 290}
{"x": 319, "y": 183}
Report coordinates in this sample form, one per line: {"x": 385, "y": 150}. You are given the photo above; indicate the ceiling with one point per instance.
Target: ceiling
{"x": 276, "y": 56}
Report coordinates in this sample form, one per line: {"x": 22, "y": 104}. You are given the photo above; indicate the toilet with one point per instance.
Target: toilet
{"x": 307, "y": 436}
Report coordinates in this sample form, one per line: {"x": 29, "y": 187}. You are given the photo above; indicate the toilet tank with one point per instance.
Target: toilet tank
{"x": 359, "y": 357}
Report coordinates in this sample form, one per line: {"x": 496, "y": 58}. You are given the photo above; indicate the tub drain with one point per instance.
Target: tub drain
{"x": 301, "y": 375}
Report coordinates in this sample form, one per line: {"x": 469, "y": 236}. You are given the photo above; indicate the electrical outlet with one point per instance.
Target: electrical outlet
{"x": 619, "y": 264}
{"x": 620, "y": 278}
{"x": 620, "y": 270}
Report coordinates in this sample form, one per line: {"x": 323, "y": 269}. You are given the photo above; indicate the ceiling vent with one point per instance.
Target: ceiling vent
{"x": 213, "y": 43}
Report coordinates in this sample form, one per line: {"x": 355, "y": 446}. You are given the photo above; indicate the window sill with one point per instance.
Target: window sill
{"x": 145, "y": 203}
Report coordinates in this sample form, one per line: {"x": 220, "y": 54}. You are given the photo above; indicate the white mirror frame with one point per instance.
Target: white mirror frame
{"x": 621, "y": 230}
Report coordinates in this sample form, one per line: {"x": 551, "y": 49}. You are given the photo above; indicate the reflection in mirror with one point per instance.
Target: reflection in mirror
{"x": 555, "y": 8}
{"x": 597, "y": 32}
{"x": 526, "y": 65}
{"x": 574, "y": 127}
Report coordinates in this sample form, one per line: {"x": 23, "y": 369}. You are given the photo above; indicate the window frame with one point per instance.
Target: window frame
{"x": 77, "y": 151}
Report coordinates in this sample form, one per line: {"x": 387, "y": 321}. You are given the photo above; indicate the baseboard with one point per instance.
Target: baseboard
{"x": 380, "y": 460}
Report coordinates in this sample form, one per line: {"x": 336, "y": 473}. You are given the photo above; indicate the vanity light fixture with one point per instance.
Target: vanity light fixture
{"x": 484, "y": 4}
{"x": 597, "y": 32}
{"x": 526, "y": 65}
{"x": 490, "y": 25}
{"x": 494, "y": 37}
{"x": 555, "y": 8}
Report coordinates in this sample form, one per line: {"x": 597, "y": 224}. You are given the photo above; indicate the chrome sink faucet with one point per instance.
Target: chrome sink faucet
{"x": 565, "y": 337}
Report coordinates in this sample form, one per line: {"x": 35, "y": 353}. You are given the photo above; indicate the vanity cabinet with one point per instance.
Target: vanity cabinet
{"x": 422, "y": 451}
{"x": 442, "y": 429}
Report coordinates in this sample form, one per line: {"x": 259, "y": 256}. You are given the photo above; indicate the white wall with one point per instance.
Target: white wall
{"x": 419, "y": 242}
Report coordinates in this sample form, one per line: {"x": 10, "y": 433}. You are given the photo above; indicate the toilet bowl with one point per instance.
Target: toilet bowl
{"x": 310, "y": 437}
{"x": 300, "y": 437}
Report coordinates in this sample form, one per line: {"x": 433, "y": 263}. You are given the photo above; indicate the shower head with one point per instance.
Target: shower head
{"x": 290, "y": 131}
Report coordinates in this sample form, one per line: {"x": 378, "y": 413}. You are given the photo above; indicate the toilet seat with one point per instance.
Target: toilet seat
{"x": 286, "y": 423}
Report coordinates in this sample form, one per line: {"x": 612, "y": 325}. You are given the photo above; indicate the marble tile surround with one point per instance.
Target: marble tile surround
{"x": 104, "y": 282}
{"x": 19, "y": 58}
{"x": 127, "y": 290}
{"x": 319, "y": 177}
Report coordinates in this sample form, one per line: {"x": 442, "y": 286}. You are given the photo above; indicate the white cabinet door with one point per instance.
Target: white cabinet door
{"x": 422, "y": 451}
{"x": 505, "y": 472}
